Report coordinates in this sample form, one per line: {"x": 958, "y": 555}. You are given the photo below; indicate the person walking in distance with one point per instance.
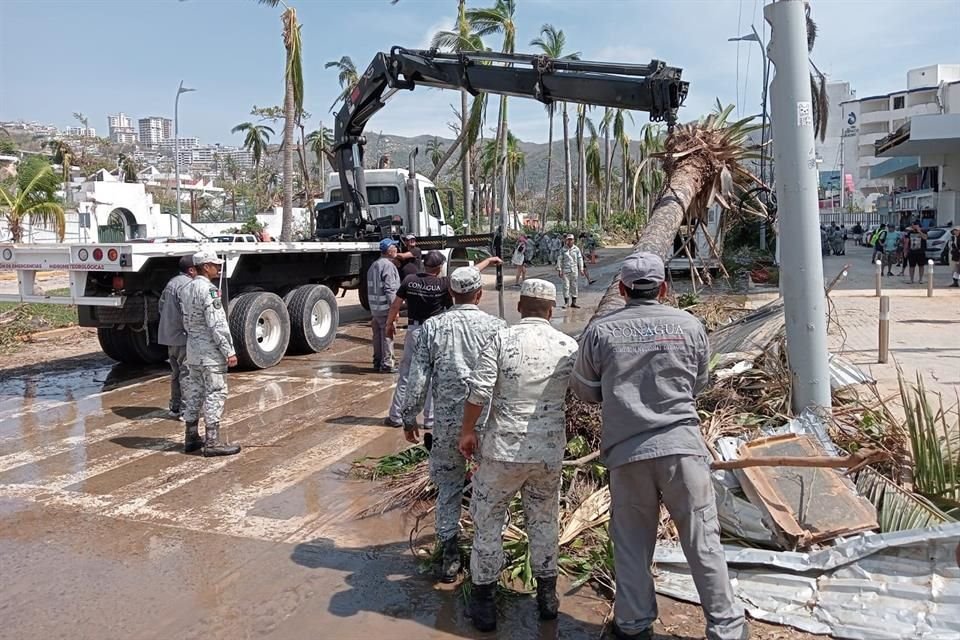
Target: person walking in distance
{"x": 917, "y": 252}
{"x": 890, "y": 246}
{"x": 447, "y": 351}
{"x": 210, "y": 353}
{"x": 522, "y": 374}
{"x": 520, "y": 259}
{"x": 171, "y": 333}
{"x": 570, "y": 268}
{"x": 427, "y": 294}
{"x": 383, "y": 280}
{"x": 652, "y": 446}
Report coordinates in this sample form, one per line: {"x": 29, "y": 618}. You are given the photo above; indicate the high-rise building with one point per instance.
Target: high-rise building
{"x": 82, "y": 132}
{"x": 121, "y": 129}
{"x": 154, "y": 130}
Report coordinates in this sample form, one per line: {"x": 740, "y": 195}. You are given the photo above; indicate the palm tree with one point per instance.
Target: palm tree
{"x": 464, "y": 40}
{"x": 435, "y": 151}
{"x": 567, "y": 169}
{"x": 621, "y": 138}
{"x": 292, "y": 107}
{"x": 320, "y": 142}
{"x": 552, "y": 42}
{"x": 499, "y": 19}
{"x": 33, "y": 198}
{"x": 62, "y": 155}
{"x": 650, "y": 176}
{"x": 347, "y": 76}
{"x": 257, "y": 137}
{"x": 583, "y": 122}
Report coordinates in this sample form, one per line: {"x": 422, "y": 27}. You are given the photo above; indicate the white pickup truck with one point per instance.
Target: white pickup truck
{"x": 280, "y": 296}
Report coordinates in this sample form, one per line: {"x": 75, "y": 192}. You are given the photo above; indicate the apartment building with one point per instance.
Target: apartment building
{"x": 121, "y": 129}
{"x": 154, "y": 130}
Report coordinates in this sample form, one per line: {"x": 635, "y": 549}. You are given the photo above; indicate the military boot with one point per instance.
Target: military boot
{"x": 450, "y": 564}
{"x": 547, "y": 600}
{"x": 191, "y": 438}
{"x": 214, "y": 446}
{"x": 566, "y": 301}
{"x": 574, "y": 305}
{"x": 483, "y": 607}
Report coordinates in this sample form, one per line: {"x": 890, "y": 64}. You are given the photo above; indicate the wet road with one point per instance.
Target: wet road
{"x": 108, "y": 531}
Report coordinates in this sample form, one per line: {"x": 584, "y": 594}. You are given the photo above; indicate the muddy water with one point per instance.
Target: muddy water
{"x": 107, "y": 530}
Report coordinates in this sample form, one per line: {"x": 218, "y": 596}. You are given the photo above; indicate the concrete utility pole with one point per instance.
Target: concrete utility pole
{"x": 176, "y": 151}
{"x": 793, "y": 149}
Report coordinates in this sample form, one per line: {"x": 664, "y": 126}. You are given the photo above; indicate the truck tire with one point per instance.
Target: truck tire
{"x": 260, "y": 325}
{"x": 362, "y": 292}
{"x": 149, "y": 352}
{"x": 130, "y": 347}
{"x": 314, "y": 318}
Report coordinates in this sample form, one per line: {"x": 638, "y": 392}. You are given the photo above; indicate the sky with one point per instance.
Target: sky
{"x": 97, "y": 57}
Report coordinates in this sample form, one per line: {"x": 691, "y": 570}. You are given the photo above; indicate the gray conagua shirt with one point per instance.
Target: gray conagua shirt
{"x": 645, "y": 363}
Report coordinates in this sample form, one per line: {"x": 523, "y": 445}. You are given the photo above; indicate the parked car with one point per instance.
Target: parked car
{"x": 938, "y": 245}
{"x": 235, "y": 237}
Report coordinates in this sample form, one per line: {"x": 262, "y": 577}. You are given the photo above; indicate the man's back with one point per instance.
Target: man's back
{"x": 170, "y": 331}
{"x": 526, "y": 369}
{"x": 646, "y": 362}
{"x": 383, "y": 280}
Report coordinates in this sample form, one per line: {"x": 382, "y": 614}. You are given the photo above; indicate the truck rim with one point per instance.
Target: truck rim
{"x": 321, "y": 318}
{"x": 269, "y": 330}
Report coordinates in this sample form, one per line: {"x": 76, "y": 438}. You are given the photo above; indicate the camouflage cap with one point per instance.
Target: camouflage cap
{"x": 206, "y": 257}
{"x": 539, "y": 289}
{"x": 465, "y": 280}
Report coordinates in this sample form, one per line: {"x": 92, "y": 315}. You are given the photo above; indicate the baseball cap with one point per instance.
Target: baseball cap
{"x": 185, "y": 263}
{"x": 642, "y": 271}
{"x": 569, "y": 236}
{"x": 433, "y": 259}
{"x": 386, "y": 243}
{"x": 465, "y": 280}
{"x": 540, "y": 289}
{"x": 409, "y": 236}
{"x": 205, "y": 257}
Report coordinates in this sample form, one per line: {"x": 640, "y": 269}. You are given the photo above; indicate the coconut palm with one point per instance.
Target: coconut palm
{"x": 256, "y": 139}
{"x": 464, "y": 40}
{"x": 347, "y": 76}
{"x": 62, "y": 155}
{"x": 650, "y": 176}
{"x": 320, "y": 142}
{"x": 33, "y": 198}
{"x": 552, "y": 43}
{"x": 621, "y": 138}
{"x": 583, "y": 122}
{"x": 498, "y": 19}
{"x": 435, "y": 151}
{"x": 292, "y": 107}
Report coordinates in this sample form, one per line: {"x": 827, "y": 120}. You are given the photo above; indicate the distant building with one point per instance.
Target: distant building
{"x": 81, "y": 132}
{"x": 870, "y": 119}
{"x": 154, "y": 130}
{"x": 169, "y": 145}
{"x": 242, "y": 158}
{"x": 121, "y": 129}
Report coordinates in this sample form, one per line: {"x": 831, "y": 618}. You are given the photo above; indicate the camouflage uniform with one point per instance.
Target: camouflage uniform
{"x": 209, "y": 345}
{"x": 447, "y": 350}
{"x": 570, "y": 264}
{"x": 523, "y": 373}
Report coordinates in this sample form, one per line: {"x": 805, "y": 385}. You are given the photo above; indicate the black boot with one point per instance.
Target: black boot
{"x": 483, "y": 607}
{"x": 214, "y": 446}
{"x": 574, "y": 305}
{"x": 547, "y": 600}
{"x": 191, "y": 437}
{"x": 956, "y": 283}
{"x": 450, "y": 564}
{"x": 566, "y": 301}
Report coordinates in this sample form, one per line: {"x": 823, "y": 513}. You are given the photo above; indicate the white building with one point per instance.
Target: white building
{"x": 186, "y": 144}
{"x": 121, "y": 129}
{"x": 242, "y": 158}
{"x": 154, "y": 130}
{"x": 875, "y": 117}
{"x": 81, "y": 132}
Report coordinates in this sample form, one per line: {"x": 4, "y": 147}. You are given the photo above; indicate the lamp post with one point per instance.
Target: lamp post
{"x": 755, "y": 37}
{"x": 176, "y": 150}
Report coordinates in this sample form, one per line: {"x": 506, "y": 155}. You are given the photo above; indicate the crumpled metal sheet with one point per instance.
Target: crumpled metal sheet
{"x": 870, "y": 587}
{"x": 844, "y": 373}
{"x": 746, "y": 338}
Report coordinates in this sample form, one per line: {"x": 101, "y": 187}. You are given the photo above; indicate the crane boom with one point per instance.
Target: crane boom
{"x": 655, "y": 88}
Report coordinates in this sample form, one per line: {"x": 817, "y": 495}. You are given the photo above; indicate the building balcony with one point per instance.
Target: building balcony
{"x": 882, "y": 115}
{"x": 893, "y": 167}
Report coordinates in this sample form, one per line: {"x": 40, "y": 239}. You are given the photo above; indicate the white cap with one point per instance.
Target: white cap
{"x": 206, "y": 257}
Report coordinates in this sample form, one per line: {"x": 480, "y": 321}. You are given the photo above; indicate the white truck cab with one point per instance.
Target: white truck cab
{"x": 387, "y": 193}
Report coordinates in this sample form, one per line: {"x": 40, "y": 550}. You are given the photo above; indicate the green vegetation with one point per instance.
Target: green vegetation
{"x": 20, "y": 320}
{"x": 31, "y": 197}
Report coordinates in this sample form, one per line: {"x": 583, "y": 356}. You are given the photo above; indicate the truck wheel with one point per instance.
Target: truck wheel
{"x": 150, "y": 353}
{"x": 314, "y": 318}
{"x": 260, "y": 326}
{"x": 115, "y": 344}
{"x": 362, "y": 292}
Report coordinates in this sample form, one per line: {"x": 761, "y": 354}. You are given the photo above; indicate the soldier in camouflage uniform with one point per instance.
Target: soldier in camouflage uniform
{"x": 570, "y": 267}
{"x": 523, "y": 374}
{"x": 209, "y": 353}
{"x": 447, "y": 350}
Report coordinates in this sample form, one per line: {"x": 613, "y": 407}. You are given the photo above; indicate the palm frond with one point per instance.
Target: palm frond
{"x": 897, "y": 508}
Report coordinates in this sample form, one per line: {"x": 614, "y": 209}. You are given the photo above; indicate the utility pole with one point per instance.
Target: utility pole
{"x": 843, "y": 185}
{"x": 793, "y": 148}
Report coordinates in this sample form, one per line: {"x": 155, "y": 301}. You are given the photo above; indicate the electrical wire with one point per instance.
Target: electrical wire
{"x": 739, "y": 25}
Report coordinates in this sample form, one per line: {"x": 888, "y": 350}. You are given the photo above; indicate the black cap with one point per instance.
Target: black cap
{"x": 186, "y": 262}
{"x": 433, "y": 259}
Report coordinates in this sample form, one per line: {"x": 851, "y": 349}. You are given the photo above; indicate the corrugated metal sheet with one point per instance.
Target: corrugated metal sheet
{"x": 844, "y": 373}
{"x": 746, "y": 338}
{"x": 871, "y": 587}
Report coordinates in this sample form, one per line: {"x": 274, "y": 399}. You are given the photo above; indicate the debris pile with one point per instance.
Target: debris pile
{"x": 869, "y": 500}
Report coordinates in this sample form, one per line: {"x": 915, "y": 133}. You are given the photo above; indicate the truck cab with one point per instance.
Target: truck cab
{"x": 387, "y": 194}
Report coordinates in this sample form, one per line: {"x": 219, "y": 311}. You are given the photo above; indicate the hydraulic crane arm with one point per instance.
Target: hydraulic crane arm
{"x": 654, "y": 88}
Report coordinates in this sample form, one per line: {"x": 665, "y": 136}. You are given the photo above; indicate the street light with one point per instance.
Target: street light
{"x": 755, "y": 37}
{"x": 176, "y": 150}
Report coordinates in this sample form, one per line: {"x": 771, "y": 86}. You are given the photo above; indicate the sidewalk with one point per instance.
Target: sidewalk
{"x": 924, "y": 332}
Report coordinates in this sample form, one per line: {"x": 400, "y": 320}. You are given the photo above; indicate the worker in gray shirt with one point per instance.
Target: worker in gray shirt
{"x": 383, "y": 280}
{"x": 171, "y": 333}
{"x": 645, "y": 364}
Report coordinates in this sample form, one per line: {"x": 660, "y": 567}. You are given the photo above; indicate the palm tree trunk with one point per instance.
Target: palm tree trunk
{"x": 567, "y": 170}
{"x": 607, "y": 166}
{"x": 504, "y": 169}
{"x": 582, "y": 168}
{"x": 546, "y": 195}
{"x": 625, "y": 154}
{"x": 446, "y": 157}
{"x": 465, "y": 164}
{"x": 289, "y": 120}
